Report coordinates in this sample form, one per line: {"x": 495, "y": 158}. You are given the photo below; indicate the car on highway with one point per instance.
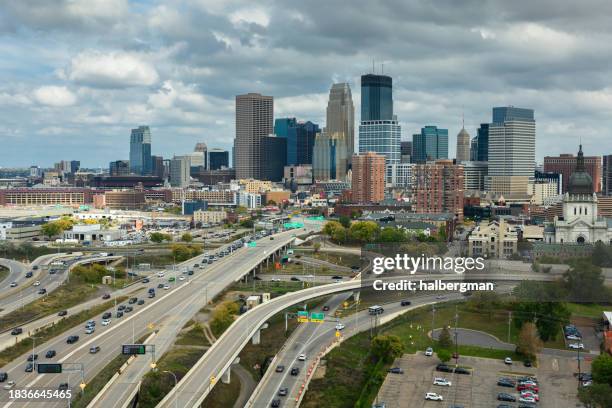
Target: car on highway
{"x": 63, "y": 386}
{"x": 280, "y": 368}
{"x": 325, "y": 308}
{"x": 576, "y": 346}
{"x": 282, "y": 392}
{"x": 94, "y": 349}
{"x": 29, "y": 368}
{"x": 121, "y": 307}
{"x": 181, "y": 278}
{"x": 106, "y": 296}
{"x": 146, "y": 280}
{"x": 16, "y": 331}
{"x": 302, "y": 357}
{"x": 191, "y": 272}
{"x": 141, "y": 301}
{"x": 37, "y": 283}
{"x": 295, "y": 371}
{"x": 432, "y": 396}
{"x": 166, "y": 287}
{"x": 440, "y": 297}
{"x": 275, "y": 403}
{"x": 119, "y": 314}
{"x": 128, "y": 309}
{"x": 442, "y": 382}
{"x": 90, "y": 330}
{"x": 32, "y": 357}
{"x": 9, "y": 385}
{"x": 106, "y": 322}
{"x": 133, "y": 300}
{"x": 160, "y": 286}
{"x": 502, "y": 396}
{"x": 3, "y": 377}
{"x": 107, "y": 315}
{"x": 395, "y": 370}
{"x": 13, "y": 284}
{"x": 508, "y": 361}
{"x": 50, "y": 354}
{"x": 42, "y": 291}
{"x": 405, "y": 303}
{"x": 429, "y": 352}
{"x": 63, "y": 313}
{"x": 29, "y": 274}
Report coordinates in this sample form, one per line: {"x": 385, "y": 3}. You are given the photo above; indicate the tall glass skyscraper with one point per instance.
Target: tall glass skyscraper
{"x": 430, "y": 144}
{"x": 340, "y": 126}
{"x": 379, "y": 130}
{"x": 140, "y": 151}
{"x": 376, "y": 97}
{"x": 482, "y": 143}
{"x": 300, "y": 139}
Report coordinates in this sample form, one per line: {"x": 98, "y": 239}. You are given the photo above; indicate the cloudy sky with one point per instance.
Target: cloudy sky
{"x": 77, "y": 75}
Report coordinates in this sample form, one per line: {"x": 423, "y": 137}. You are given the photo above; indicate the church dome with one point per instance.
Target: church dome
{"x": 580, "y": 182}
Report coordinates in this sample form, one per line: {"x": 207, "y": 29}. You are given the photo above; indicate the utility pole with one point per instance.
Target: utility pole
{"x": 509, "y": 321}
{"x": 433, "y": 319}
{"x": 456, "y": 342}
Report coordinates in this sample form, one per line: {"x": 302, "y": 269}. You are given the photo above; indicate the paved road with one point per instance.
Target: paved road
{"x": 16, "y": 270}
{"x": 204, "y": 286}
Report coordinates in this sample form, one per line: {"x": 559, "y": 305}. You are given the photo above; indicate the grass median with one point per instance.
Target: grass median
{"x": 46, "y": 334}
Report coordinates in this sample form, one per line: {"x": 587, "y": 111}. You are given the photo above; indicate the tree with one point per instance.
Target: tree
{"x": 601, "y": 369}
{"x": 584, "y": 282}
{"x": 330, "y": 227}
{"x": 529, "y": 343}
{"x": 156, "y": 237}
{"x": 345, "y": 221}
{"x": 386, "y": 347}
{"x": 444, "y": 355}
{"x": 390, "y": 234}
{"x": 316, "y": 246}
{"x": 596, "y": 396}
{"x": 51, "y": 229}
{"x": 247, "y": 223}
{"x": 445, "y": 340}
{"x": 187, "y": 237}
{"x": 602, "y": 255}
{"x": 364, "y": 231}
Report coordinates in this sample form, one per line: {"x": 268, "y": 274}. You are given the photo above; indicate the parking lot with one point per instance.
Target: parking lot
{"x": 479, "y": 390}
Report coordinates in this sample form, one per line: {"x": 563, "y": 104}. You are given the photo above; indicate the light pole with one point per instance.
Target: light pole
{"x": 175, "y": 382}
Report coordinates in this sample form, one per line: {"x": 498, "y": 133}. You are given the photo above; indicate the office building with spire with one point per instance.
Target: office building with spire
{"x": 463, "y": 145}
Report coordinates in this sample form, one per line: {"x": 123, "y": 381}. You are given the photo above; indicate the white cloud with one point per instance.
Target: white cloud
{"x": 111, "y": 70}
{"x": 57, "y": 96}
{"x": 250, "y": 15}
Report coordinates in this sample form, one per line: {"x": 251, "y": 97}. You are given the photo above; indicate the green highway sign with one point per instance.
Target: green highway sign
{"x": 131, "y": 349}
{"x": 302, "y": 317}
{"x": 252, "y": 244}
{"x": 49, "y": 368}
{"x": 317, "y": 317}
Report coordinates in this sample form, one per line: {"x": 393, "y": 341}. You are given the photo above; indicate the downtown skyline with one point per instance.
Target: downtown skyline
{"x": 66, "y": 98}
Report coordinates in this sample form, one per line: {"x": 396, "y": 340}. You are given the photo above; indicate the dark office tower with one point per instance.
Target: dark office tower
{"x": 119, "y": 168}
{"x": 158, "y": 167}
{"x": 75, "y": 165}
{"x": 405, "y": 152}
{"x": 306, "y": 133}
{"x": 482, "y": 143}
{"x": 273, "y": 157}
{"x": 254, "y": 113}
{"x": 431, "y": 144}
{"x": 474, "y": 149}
{"x": 376, "y": 97}
{"x": 287, "y": 129}
{"x": 607, "y": 174}
{"x": 140, "y": 151}
{"x": 217, "y": 158}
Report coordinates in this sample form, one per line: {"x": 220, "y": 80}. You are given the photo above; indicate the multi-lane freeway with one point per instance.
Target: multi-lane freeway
{"x": 16, "y": 270}
{"x": 204, "y": 283}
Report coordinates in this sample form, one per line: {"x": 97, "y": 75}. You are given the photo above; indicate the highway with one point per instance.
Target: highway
{"x": 192, "y": 389}
{"x": 17, "y": 275}
{"x": 211, "y": 280}
{"x": 16, "y": 270}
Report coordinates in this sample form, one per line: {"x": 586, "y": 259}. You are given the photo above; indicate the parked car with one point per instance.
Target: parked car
{"x": 506, "y": 382}
{"x": 508, "y": 361}
{"x": 429, "y": 352}
{"x": 395, "y": 370}
{"x": 442, "y": 381}
{"x": 461, "y": 370}
{"x": 119, "y": 314}
{"x": 576, "y": 346}
{"x": 444, "y": 368}
{"x": 106, "y": 322}
{"x": 432, "y": 396}
{"x": 502, "y": 396}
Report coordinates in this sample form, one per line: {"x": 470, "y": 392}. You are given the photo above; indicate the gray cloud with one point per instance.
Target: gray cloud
{"x": 78, "y": 78}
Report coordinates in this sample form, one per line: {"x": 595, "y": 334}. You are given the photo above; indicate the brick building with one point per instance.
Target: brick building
{"x": 368, "y": 179}
{"x": 565, "y": 165}
{"x": 438, "y": 188}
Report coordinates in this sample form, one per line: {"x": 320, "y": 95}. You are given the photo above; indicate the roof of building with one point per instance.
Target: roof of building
{"x": 580, "y": 182}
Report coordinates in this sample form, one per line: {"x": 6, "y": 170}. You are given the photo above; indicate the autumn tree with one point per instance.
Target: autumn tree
{"x": 529, "y": 343}
{"x": 445, "y": 340}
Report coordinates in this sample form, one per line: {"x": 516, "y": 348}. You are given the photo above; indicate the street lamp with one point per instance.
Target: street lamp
{"x": 175, "y": 382}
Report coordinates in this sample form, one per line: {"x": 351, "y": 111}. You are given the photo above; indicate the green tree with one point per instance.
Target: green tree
{"x": 330, "y": 227}
{"x": 51, "y": 229}
{"x": 364, "y": 231}
{"x": 584, "y": 282}
{"x": 186, "y": 237}
{"x": 345, "y": 221}
{"x": 602, "y": 255}
{"x": 445, "y": 341}
{"x": 444, "y": 355}
{"x": 386, "y": 347}
{"x": 156, "y": 237}
{"x": 390, "y": 234}
{"x": 596, "y": 396}
{"x": 223, "y": 317}
{"x": 601, "y": 369}
{"x": 529, "y": 343}
{"x": 247, "y": 223}
{"x": 316, "y": 246}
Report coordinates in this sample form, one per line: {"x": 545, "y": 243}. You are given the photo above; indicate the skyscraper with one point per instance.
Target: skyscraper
{"x": 119, "y": 168}
{"x": 379, "y": 130}
{"x": 406, "y": 151}
{"x": 482, "y": 143}
{"x": 217, "y": 158}
{"x": 511, "y": 150}
{"x": 158, "y": 168}
{"x": 607, "y": 174}
{"x": 340, "y": 126}
{"x": 463, "y": 146}
{"x": 429, "y": 145}
{"x": 140, "y": 151}
{"x": 376, "y": 97}
{"x": 324, "y": 158}
{"x": 368, "y": 178}
{"x": 254, "y": 114}
{"x": 438, "y": 188}
{"x": 179, "y": 171}
{"x": 300, "y": 138}
{"x": 273, "y": 157}
{"x": 200, "y": 155}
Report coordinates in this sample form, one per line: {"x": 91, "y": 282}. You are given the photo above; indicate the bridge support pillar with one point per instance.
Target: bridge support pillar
{"x": 225, "y": 378}
{"x": 356, "y": 294}
{"x": 256, "y": 339}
